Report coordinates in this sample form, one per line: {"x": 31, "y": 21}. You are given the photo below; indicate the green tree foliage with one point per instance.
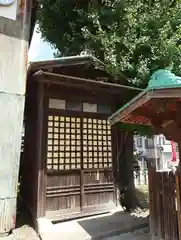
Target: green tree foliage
{"x": 134, "y": 37}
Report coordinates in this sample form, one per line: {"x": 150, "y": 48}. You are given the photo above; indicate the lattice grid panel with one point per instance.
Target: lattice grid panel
{"x": 64, "y": 143}
{"x": 96, "y": 144}
{"x": 67, "y": 144}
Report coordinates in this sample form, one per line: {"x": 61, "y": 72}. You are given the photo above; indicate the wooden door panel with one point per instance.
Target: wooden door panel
{"x": 63, "y": 191}
{"x": 63, "y": 164}
{"x": 97, "y": 150}
{"x": 64, "y": 143}
{"x": 98, "y": 177}
{"x": 98, "y": 188}
{"x": 79, "y": 166}
{"x": 97, "y": 164}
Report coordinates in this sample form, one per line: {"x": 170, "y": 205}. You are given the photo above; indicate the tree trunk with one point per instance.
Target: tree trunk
{"x": 125, "y": 171}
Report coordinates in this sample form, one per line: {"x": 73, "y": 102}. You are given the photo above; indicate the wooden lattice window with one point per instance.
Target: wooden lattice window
{"x": 64, "y": 143}
{"x": 96, "y": 144}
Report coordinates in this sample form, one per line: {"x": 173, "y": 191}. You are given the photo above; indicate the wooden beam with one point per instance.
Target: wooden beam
{"x": 88, "y": 86}
{"x": 151, "y": 114}
{"x": 68, "y": 78}
{"x": 14, "y": 42}
{"x": 167, "y": 93}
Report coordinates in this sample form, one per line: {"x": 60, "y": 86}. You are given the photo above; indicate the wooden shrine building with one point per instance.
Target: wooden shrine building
{"x": 159, "y": 107}
{"x": 67, "y": 169}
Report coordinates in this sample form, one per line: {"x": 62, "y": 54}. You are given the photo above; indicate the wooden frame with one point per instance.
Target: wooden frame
{"x": 81, "y": 115}
{"x": 79, "y": 182}
{"x": 41, "y": 130}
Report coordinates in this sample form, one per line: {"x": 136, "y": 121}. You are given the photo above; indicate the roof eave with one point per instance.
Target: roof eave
{"x": 115, "y": 117}
{"x": 66, "y": 61}
{"x": 83, "y": 80}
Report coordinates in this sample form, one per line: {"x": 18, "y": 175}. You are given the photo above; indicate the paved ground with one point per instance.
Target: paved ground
{"x": 141, "y": 234}
{"x": 95, "y": 228}
{"x": 92, "y": 228}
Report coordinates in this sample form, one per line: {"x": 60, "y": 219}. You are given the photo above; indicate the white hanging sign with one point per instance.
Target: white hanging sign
{"x": 8, "y": 9}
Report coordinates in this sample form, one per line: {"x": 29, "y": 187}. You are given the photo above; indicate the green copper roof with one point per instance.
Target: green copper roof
{"x": 164, "y": 79}
{"x": 161, "y": 79}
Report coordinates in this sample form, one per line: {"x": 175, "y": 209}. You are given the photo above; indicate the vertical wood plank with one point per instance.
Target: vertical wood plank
{"x": 114, "y": 162}
{"x": 41, "y": 186}
{"x": 178, "y": 172}
{"x": 163, "y": 212}
{"x": 150, "y": 187}
{"x": 178, "y": 203}
{"x": 82, "y": 201}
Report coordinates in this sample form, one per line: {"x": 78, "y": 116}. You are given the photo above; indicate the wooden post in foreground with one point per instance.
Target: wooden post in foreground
{"x": 178, "y": 172}
{"x": 178, "y": 191}
{"x": 14, "y": 37}
{"x": 178, "y": 203}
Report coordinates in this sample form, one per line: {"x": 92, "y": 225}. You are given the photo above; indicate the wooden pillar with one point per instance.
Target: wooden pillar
{"x": 151, "y": 206}
{"x": 178, "y": 192}
{"x": 14, "y": 42}
{"x": 114, "y": 139}
{"x": 178, "y": 172}
{"x": 40, "y": 152}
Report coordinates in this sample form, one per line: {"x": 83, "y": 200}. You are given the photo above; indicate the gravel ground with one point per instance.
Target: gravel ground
{"x": 141, "y": 234}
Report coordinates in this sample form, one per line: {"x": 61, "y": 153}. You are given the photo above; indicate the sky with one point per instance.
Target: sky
{"x": 39, "y": 49}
